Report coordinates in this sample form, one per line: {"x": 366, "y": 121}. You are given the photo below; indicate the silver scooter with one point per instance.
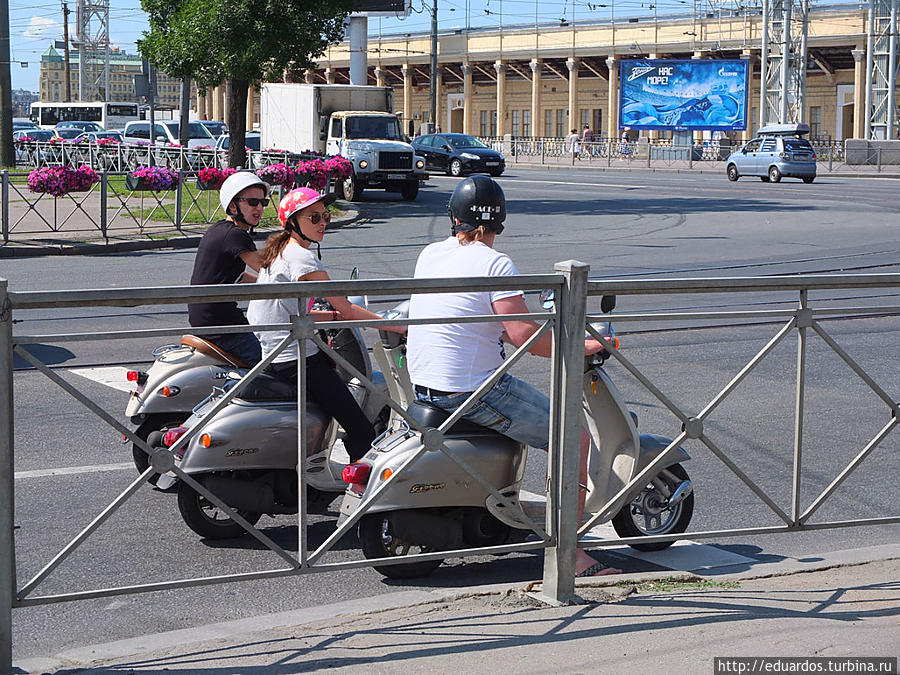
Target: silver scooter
{"x": 181, "y": 376}
{"x": 437, "y": 505}
{"x": 247, "y": 454}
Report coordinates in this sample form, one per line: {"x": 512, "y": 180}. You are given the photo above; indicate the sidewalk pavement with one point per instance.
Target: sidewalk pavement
{"x": 844, "y": 604}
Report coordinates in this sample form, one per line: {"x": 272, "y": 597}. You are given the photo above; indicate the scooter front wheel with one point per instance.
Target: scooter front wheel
{"x": 649, "y": 513}
{"x": 377, "y": 541}
{"x": 207, "y": 519}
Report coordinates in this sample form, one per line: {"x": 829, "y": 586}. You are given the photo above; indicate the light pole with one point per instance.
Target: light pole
{"x": 434, "y": 67}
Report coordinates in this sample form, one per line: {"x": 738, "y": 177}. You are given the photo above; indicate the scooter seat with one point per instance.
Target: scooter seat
{"x": 213, "y": 350}
{"x": 266, "y": 387}
{"x": 429, "y": 415}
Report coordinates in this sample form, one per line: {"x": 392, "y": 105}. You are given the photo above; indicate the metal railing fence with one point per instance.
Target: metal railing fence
{"x": 129, "y": 156}
{"x": 559, "y": 535}
{"x": 108, "y": 205}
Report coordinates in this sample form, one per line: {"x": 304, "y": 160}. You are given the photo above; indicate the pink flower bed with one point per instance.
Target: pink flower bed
{"x": 60, "y": 180}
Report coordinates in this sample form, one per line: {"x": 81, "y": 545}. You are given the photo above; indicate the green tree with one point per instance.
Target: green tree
{"x": 240, "y": 42}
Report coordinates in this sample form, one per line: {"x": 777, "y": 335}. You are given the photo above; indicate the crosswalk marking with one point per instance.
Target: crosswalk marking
{"x": 73, "y": 470}
{"x": 111, "y": 376}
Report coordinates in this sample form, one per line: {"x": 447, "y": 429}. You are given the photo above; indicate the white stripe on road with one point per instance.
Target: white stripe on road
{"x": 111, "y": 376}
{"x": 575, "y": 184}
{"x": 73, "y": 470}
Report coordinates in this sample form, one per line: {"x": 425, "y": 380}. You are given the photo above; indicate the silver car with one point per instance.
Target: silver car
{"x": 779, "y": 150}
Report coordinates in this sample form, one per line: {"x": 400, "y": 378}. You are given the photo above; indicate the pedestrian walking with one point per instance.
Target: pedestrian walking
{"x": 573, "y": 140}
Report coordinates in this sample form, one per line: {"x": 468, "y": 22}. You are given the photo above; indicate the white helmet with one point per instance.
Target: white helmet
{"x": 237, "y": 183}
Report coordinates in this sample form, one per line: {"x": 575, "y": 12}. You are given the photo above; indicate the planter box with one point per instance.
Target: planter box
{"x": 208, "y": 185}
{"x": 140, "y": 184}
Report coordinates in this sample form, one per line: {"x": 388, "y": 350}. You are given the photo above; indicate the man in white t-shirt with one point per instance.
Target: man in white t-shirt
{"x": 447, "y": 362}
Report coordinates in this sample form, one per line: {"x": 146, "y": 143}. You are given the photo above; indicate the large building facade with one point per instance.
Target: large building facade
{"x": 543, "y": 81}
{"x": 123, "y": 67}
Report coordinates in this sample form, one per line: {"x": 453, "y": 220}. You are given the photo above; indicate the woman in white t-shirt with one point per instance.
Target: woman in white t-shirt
{"x": 287, "y": 257}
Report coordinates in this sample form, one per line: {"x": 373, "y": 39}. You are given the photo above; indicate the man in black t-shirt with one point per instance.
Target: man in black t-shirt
{"x": 224, "y": 251}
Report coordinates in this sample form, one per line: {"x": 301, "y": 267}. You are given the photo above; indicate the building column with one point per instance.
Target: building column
{"x": 501, "y": 67}
{"x": 309, "y": 76}
{"x": 467, "y": 98}
{"x": 859, "y": 92}
{"x": 201, "y": 106}
{"x": 251, "y": 106}
{"x": 379, "y": 76}
{"x": 537, "y": 67}
{"x": 329, "y": 75}
{"x": 747, "y": 134}
{"x": 574, "y": 120}
{"x": 438, "y": 96}
{"x": 407, "y": 94}
{"x": 612, "y": 99}
{"x": 219, "y": 103}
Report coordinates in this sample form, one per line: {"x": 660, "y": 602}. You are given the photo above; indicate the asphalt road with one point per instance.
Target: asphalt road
{"x": 622, "y": 224}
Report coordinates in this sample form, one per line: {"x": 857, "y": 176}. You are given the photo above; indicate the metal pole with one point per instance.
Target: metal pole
{"x": 66, "y": 70}
{"x": 890, "y": 132}
{"x": 5, "y": 206}
{"x": 804, "y": 320}
{"x": 7, "y": 151}
{"x": 434, "y": 66}
{"x": 104, "y": 196}
{"x": 302, "y": 327}
{"x": 7, "y": 502}
{"x": 559, "y": 560}
{"x": 763, "y": 64}
{"x": 179, "y": 194}
{"x": 784, "y": 108}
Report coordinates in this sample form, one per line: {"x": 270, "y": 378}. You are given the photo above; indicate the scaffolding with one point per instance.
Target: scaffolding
{"x": 92, "y": 36}
{"x": 881, "y": 70}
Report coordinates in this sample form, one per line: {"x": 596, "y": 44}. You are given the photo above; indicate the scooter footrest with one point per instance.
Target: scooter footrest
{"x": 515, "y": 513}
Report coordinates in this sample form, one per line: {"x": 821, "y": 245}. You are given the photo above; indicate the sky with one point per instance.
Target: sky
{"x": 33, "y": 27}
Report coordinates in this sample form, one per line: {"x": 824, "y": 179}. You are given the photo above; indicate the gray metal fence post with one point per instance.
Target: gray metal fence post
{"x": 804, "y": 321}
{"x": 609, "y": 151}
{"x": 565, "y": 416}
{"x": 878, "y": 158}
{"x": 830, "y": 157}
{"x": 5, "y": 207}
{"x": 7, "y": 502}
{"x": 104, "y": 196}
{"x": 178, "y": 197}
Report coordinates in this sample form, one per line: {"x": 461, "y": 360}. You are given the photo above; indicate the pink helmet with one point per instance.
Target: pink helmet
{"x": 299, "y": 199}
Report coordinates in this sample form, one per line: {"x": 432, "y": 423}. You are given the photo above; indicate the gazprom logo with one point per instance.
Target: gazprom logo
{"x": 726, "y": 73}
{"x": 638, "y": 71}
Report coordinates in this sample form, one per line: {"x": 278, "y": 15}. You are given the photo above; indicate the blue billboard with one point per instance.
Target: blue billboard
{"x": 683, "y": 94}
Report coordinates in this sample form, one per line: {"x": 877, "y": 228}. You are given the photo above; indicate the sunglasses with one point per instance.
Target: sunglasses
{"x": 254, "y": 201}
{"x": 315, "y": 218}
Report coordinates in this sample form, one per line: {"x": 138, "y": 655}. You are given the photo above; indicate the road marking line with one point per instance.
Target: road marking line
{"x": 72, "y": 470}
{"x": 576, "y": 184}
{"x": 111, "y": 376}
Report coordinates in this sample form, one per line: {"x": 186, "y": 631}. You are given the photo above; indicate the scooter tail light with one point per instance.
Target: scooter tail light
{"x": 172, "y": 435}
{"x": 356, "y": 473}
{"x": 138, "y": 376}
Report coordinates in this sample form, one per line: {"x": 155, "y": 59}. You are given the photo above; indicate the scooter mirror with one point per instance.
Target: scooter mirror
{"x": 548, "y": 298}
{"x": 354, "y": 273}
{"x": 607, "y": 303}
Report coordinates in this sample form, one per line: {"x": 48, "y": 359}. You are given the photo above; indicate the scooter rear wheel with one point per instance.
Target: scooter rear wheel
{"x": 207, "y": 519}
{"x": 152, "y": 423}
{"x": 377, "y": 541}
{"x": 648, "y": 515}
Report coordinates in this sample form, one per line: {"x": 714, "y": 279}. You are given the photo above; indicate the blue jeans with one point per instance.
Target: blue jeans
{"x": 512, "y": 407}
{"x": 245, "y": 346}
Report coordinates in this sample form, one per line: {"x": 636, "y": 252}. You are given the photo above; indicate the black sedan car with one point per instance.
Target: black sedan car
{"x": 458, "y": 154}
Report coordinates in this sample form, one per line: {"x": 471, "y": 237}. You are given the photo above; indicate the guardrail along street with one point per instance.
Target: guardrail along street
{"x": 808, "y": 316}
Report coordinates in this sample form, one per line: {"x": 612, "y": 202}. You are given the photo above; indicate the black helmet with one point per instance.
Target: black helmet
{"x": 476, "y": 201}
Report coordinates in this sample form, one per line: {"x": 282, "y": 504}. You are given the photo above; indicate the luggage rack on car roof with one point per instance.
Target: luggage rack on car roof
{"x": 783, "y": 130}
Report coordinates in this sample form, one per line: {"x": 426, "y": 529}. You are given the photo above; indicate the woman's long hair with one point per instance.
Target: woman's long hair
{"x": 274, "y": 246}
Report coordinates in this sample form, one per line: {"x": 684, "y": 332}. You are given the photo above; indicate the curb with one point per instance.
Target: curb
{"x": 82, "y": 657}
{"x": 13, "y": 250}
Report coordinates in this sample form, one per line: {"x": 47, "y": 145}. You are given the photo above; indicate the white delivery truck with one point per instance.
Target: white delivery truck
{"x": 356, "y": 122}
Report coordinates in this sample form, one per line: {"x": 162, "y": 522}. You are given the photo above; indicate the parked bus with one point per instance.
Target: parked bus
{"x": 108, "y": 115}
